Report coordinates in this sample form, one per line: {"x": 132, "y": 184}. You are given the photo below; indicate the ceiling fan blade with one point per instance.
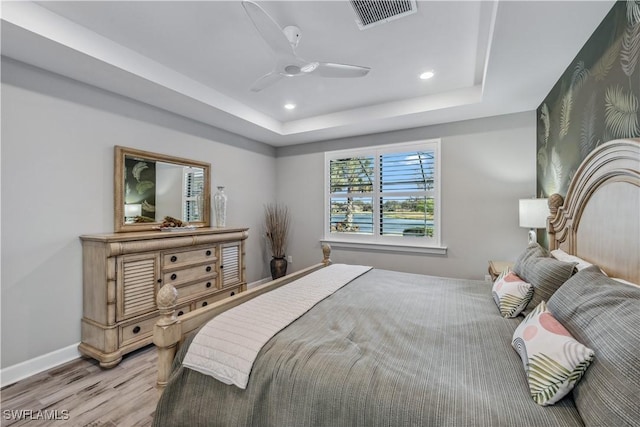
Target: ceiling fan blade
{"x": 329, "y": 69}
{"x": 266, "y": 81}
{"x": 268, "y": 29}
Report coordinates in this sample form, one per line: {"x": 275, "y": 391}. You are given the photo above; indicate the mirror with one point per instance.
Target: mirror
{"x": 150, "y": 186}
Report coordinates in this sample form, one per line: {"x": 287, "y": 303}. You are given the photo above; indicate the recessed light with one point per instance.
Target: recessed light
{"x": 427, "y": 75}
{"x": 289, "y": 106}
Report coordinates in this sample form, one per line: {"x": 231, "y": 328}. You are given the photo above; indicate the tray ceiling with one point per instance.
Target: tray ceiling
{"x": 198, "y": 59}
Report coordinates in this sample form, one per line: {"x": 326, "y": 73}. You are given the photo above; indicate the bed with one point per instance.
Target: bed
{"x": 390, "y": 348}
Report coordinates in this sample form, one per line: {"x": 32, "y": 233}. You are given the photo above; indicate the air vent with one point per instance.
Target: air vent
{"x": 370, "y": 13}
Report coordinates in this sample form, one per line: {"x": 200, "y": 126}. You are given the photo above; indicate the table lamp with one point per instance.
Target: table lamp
{"x": 533, "y": 214}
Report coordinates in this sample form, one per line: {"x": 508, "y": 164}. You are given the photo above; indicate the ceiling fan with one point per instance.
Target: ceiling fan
{"x": 283, "y": 42}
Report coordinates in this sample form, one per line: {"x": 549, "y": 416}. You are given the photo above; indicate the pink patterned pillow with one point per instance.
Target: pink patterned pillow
{"x": 511, "y": 293}
{"x": 553, "y": 360}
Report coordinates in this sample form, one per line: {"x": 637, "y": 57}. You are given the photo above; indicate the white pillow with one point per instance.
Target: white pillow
{"x": 553, "y": 360}
{"x": 561, "y": 255}
{"x": 511, "y": 293}
{"x": 626, "y": 282}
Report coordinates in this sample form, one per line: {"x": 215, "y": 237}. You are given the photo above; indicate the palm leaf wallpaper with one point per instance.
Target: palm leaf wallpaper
{"x": 140, "y": 185}
{"x": 597, "y": 99}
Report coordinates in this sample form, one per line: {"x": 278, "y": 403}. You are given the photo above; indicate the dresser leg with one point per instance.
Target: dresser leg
{"x": 107, "y": 360}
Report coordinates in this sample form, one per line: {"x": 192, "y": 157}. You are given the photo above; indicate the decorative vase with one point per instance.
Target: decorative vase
{"x": 220, "y": 207}
{"x": 278, "y": 267}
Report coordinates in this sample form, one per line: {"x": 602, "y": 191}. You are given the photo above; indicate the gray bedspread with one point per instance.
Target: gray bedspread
{"x": 388, "y": 349}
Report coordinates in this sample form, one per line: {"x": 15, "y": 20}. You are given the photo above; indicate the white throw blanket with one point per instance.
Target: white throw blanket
{"x": 227, "y": 346}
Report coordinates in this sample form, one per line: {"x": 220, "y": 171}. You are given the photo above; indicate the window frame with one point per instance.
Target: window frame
{"x": 376, "y": 241}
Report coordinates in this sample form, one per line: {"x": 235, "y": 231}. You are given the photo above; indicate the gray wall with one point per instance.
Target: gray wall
{"x": 57, "y": 183}
{"x": 57, "y": 172}
{"x": 487, "y": 165}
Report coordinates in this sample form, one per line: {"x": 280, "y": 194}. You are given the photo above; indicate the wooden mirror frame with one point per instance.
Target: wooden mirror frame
{"x": 119, "y": 185}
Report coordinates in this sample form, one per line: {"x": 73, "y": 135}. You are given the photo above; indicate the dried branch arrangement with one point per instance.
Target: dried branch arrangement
{"x": 276, "y": 222}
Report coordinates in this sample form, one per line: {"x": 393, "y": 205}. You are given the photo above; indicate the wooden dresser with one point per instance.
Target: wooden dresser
{"x": 123, "y": 272}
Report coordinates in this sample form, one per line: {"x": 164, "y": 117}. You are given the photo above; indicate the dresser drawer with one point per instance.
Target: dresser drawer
{"x": 184, "y": 309}
{"x": 191, "y": 290}
{"x": 217, "y": 297}
{"x": 177, "y": 259}
{"x": 199, "y": 272}
{"x": 136, "y": 330}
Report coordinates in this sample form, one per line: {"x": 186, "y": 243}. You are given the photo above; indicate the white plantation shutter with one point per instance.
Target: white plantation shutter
{"x": 407, "y": 171}
{"x": 351, "y": 187}
{"x": 386, "y": 194}
{"x": 407, "y": 182}
{"x": 193, "y": 185}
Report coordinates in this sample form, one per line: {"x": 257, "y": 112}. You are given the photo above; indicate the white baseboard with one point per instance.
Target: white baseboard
{"x": 20, "y": 371}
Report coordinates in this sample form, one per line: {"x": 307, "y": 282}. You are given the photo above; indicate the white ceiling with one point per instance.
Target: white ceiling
{"x": 198, "y": 59}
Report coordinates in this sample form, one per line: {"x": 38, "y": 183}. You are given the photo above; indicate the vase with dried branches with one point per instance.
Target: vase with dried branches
{"x": 276, "y": 223}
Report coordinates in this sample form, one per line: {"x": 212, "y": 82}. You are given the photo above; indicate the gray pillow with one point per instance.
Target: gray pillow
{"x": 604, "y": 315}
{"x": 534, "y": 250}
{"x": 545, "y": 273}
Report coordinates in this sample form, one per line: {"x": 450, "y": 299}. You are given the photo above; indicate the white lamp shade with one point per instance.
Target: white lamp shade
{"x": 132, "y": 210}
{"x": 534, "y": 213}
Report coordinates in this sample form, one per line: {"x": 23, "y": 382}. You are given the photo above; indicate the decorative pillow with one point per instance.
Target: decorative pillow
{"x": 534, "y": 250}
{"x": 553, "y": 360}
{"x": 604, "y": 315}
{"x": 511, "y": 293}
{"x": 561, "y": 255}
{"x": 546, "y": 274}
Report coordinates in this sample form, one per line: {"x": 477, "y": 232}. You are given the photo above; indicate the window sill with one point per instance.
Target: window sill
{"x": 385, "y": 247}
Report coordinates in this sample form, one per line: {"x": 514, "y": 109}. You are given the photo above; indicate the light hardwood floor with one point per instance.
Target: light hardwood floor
{"x": 92, "y": 396}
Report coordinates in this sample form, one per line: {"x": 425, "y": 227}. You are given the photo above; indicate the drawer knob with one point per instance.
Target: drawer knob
{"x": 180, "y": 313}
{"x": 174, "y": 276}
{"x": 208, "y": 253}
{"x": 222, "y": 266}
{"x": 208, "y": 268}
{"x": 159, "y": 280}
{"x": 136, "y": 329}
{"x": 204, "y": 304}
{"x": 233, "y": 293}
{"x": 208, "y": 284}
{"x": 174, "y": 258}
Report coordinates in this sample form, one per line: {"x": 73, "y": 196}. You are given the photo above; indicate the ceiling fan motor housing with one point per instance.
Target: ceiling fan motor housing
{"x": 293, "y": 34}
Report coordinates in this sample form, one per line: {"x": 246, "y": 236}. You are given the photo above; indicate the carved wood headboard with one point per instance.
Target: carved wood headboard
{"x": 599, "y": 220}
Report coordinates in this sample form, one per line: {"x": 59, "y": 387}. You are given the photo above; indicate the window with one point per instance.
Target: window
{"x": 192, "y": 202}
{"x": 388, "y": 195}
